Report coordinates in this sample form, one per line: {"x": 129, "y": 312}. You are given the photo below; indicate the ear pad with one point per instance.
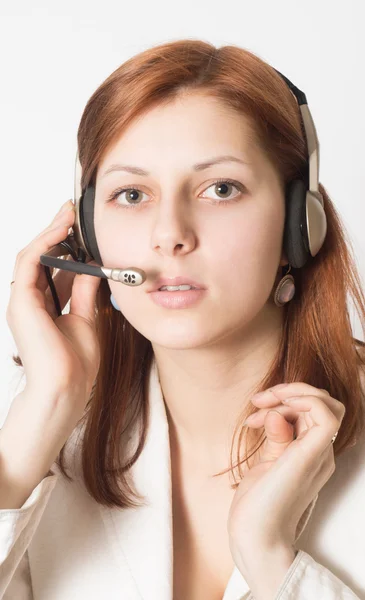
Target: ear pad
{"x": 87, "y": 201}
{"x": 295, "y": 240}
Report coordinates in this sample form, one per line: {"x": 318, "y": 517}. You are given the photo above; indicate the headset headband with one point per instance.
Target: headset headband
{"x": 311, "y": 226}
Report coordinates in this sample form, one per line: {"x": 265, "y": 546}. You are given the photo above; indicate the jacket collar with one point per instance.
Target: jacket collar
{"x": 141, "y": 538}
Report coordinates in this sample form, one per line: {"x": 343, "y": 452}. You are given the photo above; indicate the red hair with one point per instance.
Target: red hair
{"x": 317, "y": 345}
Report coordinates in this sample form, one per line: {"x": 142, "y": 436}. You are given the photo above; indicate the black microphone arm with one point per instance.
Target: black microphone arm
{"x": 132, "y": 276}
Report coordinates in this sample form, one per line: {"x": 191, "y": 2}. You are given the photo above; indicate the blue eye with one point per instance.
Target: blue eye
{"x": 219, "y": 183}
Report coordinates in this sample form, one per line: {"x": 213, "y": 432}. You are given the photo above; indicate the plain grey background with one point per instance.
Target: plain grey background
{"x": 53, "y": 57}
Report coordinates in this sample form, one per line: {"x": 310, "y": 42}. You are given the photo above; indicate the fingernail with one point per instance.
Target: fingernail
{"x": 258, "y": 395}
{"x": 250, "y": 418}
{"x": 281, "y": 385}
{"x": 66, "y": 206}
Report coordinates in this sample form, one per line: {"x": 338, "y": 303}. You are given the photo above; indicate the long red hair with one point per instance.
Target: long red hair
{"x": 317, "y": 345}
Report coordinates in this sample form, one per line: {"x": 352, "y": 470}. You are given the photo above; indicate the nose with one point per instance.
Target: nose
{"x": 173, "y": 232}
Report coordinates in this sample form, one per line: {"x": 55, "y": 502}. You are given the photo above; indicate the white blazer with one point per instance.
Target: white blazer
{"x": 62, "y": 545}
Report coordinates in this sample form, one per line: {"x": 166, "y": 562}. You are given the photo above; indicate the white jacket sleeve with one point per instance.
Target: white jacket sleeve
{"x": 17, "y": 527}
{"x": 307, "y": 578}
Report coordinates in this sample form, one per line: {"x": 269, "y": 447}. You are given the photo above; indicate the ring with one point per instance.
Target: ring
{"x": 334, "y": 437}
{"x": 11, "y": 283}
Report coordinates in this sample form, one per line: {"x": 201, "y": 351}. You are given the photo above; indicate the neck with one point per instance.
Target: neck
{"x": 207, "y": 389}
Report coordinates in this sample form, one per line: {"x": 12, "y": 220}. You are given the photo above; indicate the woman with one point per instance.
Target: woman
{"x": 151, "y": 388}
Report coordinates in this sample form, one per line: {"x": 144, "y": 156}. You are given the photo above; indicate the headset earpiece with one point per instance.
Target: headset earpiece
{"x": 304, "y": 231}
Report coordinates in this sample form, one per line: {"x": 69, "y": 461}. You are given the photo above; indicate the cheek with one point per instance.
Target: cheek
{"x": 247, "y": 255}
{"x": 121, "y": 246}
{"x": 118, "y": 244}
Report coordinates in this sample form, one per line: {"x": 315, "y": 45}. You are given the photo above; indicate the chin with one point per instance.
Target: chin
{"x": 179, "y": 336}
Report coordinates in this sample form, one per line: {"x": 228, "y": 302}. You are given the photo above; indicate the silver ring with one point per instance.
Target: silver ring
{"x": 334, "y": 437}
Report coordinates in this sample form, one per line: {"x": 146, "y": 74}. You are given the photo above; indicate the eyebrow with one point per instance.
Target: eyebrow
{"x": 197, "y": 167}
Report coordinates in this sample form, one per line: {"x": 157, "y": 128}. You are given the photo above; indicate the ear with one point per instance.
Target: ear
{"x": 284, "y": 260}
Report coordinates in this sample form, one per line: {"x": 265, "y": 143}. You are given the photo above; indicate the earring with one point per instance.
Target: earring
{"x": 285, "y": 289}
{"x": 114, "y": 303}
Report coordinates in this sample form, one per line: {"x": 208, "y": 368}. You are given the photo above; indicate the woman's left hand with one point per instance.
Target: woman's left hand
{"x": 274, "y": 493}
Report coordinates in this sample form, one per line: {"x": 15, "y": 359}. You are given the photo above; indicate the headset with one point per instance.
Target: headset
{"x": 304, "y": 230}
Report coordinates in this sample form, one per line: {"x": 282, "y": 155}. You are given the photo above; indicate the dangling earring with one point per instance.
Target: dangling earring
{"x": 114, "y": 303}
{"x": 285, "y": 289}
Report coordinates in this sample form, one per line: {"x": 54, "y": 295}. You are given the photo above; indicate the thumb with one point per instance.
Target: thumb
{"x": 83, "y": 295}
{"x": 279, "y": 433}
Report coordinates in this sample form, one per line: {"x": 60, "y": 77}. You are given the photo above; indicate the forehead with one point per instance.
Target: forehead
{"x": 184, "y": 131}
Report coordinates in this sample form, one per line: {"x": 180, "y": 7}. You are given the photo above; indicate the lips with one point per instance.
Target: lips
{"x": 176, "y": 281}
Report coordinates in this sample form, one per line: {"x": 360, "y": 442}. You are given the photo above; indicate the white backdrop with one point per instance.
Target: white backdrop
{"x": 54, "y": 55}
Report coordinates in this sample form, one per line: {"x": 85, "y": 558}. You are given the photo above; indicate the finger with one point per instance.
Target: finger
{"x": 325, "y": 423}
{"x": 257, "y": 418}
{"x": 28, "y": 261}
{"x": 63, "y": 216}
{"x": 270, "y": 401}
{"x": 298, "y": 420}
{"x": 59, "y": 279}
{"x": 63, "y": 281}
{"x": 30, "y": 268}
{"x": 279, "y": 434}
{"x": 297, "y": 388}
{"x": 25, "y": 298}
{"x": 273, "y": 397}
{"x": 67, "y": 209}
{"x": 84, "y": 290}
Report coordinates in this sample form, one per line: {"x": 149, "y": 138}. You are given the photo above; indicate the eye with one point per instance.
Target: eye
{"x": 222, "y": 186}
{"x": 132, "y": 195}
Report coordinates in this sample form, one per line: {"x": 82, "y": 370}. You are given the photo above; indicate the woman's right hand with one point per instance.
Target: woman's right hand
{"x": 60, "y": 354}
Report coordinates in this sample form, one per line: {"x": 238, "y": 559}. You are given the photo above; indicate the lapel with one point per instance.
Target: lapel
{"x": 141, "y": 538}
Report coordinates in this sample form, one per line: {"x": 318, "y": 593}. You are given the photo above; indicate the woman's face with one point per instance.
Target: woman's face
{"x": 176, "y": 221}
